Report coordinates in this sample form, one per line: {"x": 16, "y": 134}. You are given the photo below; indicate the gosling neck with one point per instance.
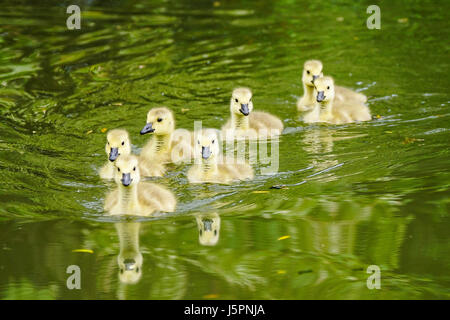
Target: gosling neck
{"x": 308, "y": 94}
{"x": 326, "y": 108}
{"x": 209, "y": 166}
{"x": 128, "y": 197}
{"x": 128, "y": 236}
{"x": 240, "y": 121}
{"x": 162, "y": 142}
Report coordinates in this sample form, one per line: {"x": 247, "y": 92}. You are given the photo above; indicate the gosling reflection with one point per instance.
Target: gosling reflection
{"x": 208, "y": 228}
{"x": 129, "y": 258}
{"x": 133, "y": 197}
{"x": 319, "y": 145}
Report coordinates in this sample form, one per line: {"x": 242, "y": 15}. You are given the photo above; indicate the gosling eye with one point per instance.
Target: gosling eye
{"x": 328, "y": 88}
{"x": 213, "y": 141}
{"x": 134, "y": 169}
{"x": 160, "y": 119}
{"x": 123, "y": 142}
{"x": 307, "y": 71}
{"x": 215, "y": 232}
{"x": 108, "y": 143}
{"x": 118, "y": 169}
{"x": 250, "y": 100}
{"x": 236, "y": 100}
{"x": 198, "y": 141}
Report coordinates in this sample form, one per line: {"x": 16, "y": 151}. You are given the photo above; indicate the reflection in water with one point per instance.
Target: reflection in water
{"x": 386, "y": 204}
{"x": 318, "y": 143}
{"x": 129, "y": 258}
{"x": 208, "y": 228}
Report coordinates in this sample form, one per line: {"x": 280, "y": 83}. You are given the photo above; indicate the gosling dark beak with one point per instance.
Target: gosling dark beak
{"x": 206, "y": 152}
{"x": 126, "y": 179}
{"x": 314, "y": 78}
{"x": 113, "y": 154}
{"x": 320, "y": 96}
{"x": 208, "y": 225}
{"x": 147, "y": 128}
{"x": 129, "y": 264}
{"x": 244, "y": 109}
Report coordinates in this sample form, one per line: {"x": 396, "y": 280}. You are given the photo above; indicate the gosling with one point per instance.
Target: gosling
{"x": 167, "y": 144}
{"x": 325, "y": 109}
{"x": 207, "y": 167}
{"x": 312, "y": 70}
{"x": 246, "y": 123}
{"x": 133, "y": 197}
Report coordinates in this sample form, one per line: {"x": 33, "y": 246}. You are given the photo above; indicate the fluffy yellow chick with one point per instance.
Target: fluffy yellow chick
{"x": 210, "y": 167}
{"x": 246, "y": 123}
{"x": 312, "y": 70}
{"x": 133, "y": 197}
{"x": 167, "y": 145}
{"x": 325, "y": 109}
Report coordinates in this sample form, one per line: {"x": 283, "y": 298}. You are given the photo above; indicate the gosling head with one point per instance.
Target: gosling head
{"x": 160, "y": 121}
{"x": 325, "y": 89}
{"x": 312, "y": 70}
{"x": 241, "y": 101}
{"x": 130, "y": 267}
{"x": 127, "y": 171}
{"x": 207, "y": 144}
{"x": 117, "y": 143}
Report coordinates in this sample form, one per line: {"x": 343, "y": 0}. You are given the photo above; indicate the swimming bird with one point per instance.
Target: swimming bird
{"x": 328, "y": 110}
{"x": 246, "y": 123}
{"x": 166, "y": 145}
{"x": 133, "y": 197}
{"x": 210, "y": 166}
{"x": 312, "y": 70}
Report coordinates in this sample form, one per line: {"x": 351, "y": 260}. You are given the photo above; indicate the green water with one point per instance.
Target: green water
{"x": 358, "y": 195}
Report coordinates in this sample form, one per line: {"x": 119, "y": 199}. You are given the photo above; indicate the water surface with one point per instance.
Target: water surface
{"x": 357, "y": 195}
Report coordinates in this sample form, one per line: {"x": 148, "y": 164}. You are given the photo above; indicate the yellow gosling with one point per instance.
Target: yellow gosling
{"x": 328, "y": 110}
{"x": 133, "y": 197}
{"x": 246, "y": 123}
{"x": 166, "y": 145}
{"x": 210, "y": 167}
{"x": 312, "y": 70}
